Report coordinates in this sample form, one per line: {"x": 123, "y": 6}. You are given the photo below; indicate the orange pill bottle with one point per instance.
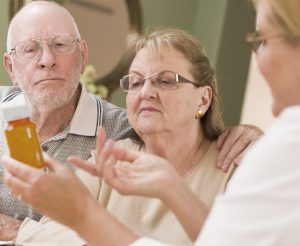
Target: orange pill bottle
{"x": 21, "y": 135}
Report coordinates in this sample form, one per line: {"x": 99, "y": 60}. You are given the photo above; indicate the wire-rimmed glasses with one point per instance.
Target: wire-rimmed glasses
{"x": 165, "y": 80}
{"x": 32, "y": 48}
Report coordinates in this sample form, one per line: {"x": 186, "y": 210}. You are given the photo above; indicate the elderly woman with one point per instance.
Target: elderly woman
{"x": 173, "y": 106}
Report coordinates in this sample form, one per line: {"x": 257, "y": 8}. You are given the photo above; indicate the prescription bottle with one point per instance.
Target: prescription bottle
{"x": 21, "y": 135}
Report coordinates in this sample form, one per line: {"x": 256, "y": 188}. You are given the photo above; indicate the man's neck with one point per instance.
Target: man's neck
{"x": 51, "y": 122}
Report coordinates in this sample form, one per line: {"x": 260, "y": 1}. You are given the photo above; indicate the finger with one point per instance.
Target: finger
{"x": 105, "y": 155}
{"x": 17, "y": 186}
{"x": 123, "y": 183}
{"x": 237, "y": 149}
{"x": 108, "y": 169}
{"x": 110, "y": 177}
{"x": 125, "y": 155}
{"x": 51, "y": 164}
{"x": 19, "y": 170}
{"x": 82, "y": 164}
{"x": 101, "y": 138}
{"x": 239, "y": 158}
{"x": 222, "y": 138}
{"x": 233, "y": 136}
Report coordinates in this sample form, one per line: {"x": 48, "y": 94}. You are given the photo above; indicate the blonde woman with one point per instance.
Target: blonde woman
{"x": 262, "y": 202}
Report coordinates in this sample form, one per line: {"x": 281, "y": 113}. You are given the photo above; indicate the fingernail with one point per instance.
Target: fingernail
{"x": 219, "y": 164}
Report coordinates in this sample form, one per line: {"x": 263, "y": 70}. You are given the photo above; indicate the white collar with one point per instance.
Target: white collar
{"x": 88, "y": 114}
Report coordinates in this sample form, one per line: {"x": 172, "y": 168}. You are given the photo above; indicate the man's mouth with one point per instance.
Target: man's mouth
{"x": 47, "y": 80}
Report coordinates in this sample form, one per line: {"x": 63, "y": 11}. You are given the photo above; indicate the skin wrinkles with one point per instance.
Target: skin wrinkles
{"x": 47, "y": 81}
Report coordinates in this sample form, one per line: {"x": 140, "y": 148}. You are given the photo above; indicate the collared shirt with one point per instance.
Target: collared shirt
{"x": 78, "y": 139}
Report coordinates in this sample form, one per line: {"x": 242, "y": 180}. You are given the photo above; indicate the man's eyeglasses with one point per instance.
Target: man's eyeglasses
{"x": 165, "y": 80}
{"x": 256, "y": 39}
{"x": 32, "y": 48}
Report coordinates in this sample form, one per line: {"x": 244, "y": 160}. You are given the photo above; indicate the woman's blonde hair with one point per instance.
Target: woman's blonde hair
{"x": 202, "y": 71}
{"x": 284, "y": 15}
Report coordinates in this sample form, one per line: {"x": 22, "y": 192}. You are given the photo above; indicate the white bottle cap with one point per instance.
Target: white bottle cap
{"x": 12, "y": 111}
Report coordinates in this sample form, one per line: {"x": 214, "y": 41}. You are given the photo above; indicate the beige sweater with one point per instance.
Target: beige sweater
{"x": 145, "y": 216}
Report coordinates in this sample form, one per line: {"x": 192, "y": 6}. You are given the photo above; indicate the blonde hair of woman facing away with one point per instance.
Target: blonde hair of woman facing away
{"x": 284, "y": 15}
{"x": 173, "y": 106}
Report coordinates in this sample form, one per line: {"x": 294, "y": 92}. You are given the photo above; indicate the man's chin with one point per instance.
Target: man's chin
{"x": 48, "y": 101}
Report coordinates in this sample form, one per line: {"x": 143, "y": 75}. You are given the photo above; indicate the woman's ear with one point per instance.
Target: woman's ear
{"x": 206, "y": 97}
{"x": 8, "y": 66}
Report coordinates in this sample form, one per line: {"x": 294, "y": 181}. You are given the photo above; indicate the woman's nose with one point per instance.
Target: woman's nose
{"x": 148, "y": 90}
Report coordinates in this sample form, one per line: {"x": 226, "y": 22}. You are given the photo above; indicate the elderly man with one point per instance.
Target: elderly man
{"x": 44, "y": 59}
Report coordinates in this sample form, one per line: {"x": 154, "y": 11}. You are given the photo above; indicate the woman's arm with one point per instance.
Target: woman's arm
{"x": 60, "y": 195}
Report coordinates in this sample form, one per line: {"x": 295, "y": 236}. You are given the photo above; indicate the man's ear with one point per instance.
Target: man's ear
{"x": 84, "y": 54}
{"x": 8, "y": 66}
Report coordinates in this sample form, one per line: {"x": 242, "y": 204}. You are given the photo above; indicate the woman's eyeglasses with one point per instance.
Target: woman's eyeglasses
{"x": 165, "y": 80}
{"x": 256, "y": 39}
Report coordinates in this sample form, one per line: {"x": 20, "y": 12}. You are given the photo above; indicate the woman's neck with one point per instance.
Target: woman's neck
{"x": 184, "y": 152}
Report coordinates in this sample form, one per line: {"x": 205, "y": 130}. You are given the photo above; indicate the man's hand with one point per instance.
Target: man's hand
{"x": 9, "y": 228}
{"x": 234, "y": 142}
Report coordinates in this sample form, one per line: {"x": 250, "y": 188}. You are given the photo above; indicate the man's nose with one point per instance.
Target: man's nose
{"x": 47, "y": 57}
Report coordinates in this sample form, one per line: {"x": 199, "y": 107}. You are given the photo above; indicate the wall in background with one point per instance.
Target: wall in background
{"x": 257, "y": 100}
{"x": 4, "y": 13}
{"x": 219, "y": 24}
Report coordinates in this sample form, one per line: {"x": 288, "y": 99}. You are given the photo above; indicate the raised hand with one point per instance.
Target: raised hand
{"x": 102, "y": 152}
{"x": 138, "y": 173}
{"x": 57, "y": 193}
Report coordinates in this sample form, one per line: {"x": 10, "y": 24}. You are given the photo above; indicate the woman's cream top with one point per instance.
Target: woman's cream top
{"x": 145, "y": 216}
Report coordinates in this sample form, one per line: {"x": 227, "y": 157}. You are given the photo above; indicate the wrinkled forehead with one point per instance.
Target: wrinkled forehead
{"x": 148, "y": 61}
{"x": 37, "y": 22}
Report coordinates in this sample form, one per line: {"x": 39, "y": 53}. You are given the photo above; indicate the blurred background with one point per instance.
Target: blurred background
{"x": 221, "y": 26}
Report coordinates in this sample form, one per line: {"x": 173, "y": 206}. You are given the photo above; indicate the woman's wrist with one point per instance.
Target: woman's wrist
{"x": 90, "y": 209}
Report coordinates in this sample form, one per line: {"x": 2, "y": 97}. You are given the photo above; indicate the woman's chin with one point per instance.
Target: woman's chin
{"x": 147, "y": 129}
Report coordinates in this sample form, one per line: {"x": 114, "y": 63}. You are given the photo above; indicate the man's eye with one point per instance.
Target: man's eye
{"x": 29, "y": 50}
{"x": 59, "y": 45}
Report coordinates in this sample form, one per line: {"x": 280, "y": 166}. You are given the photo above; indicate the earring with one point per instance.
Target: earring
{"x": 199, "y": 114}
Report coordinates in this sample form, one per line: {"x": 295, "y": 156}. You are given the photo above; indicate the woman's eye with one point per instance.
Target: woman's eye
{"x": 135, "y": 85}
{"x": 165, "y": 83}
